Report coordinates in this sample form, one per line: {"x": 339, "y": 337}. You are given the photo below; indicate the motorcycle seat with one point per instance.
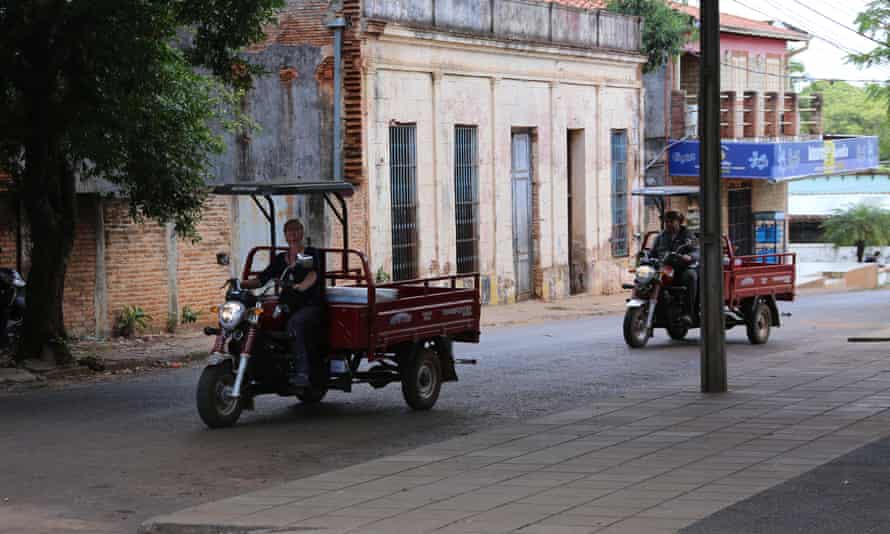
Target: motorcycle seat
{"x": 358, "y": 295}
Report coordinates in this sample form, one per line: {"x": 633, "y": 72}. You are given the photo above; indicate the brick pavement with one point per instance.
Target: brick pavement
{"x": 650, "y": 461}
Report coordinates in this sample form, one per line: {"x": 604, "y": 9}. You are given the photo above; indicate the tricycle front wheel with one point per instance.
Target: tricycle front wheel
{"x": 636, "y": 335}
{"x": 421, "y": 379}
{"x": 215, "y": 405}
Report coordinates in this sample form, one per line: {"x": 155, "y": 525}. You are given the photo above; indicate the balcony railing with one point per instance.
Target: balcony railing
{"x": 522, "y": 20}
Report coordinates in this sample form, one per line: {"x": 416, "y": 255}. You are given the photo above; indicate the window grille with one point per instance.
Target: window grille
{"x": 619, "y": 193}
{"x": 403, "y": 190}
{"x": 466, "y": 198}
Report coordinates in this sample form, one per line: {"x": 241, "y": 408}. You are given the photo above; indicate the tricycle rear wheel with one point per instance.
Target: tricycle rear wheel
{"x": 421, "y": 379}
{"x": 759, "y": 324}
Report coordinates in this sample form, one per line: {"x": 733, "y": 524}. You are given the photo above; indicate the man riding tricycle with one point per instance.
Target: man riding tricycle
{"x": 665, "y": 291}
{"x": 293, "y": 329}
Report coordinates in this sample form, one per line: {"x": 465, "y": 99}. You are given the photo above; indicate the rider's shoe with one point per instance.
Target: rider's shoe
{"x": 298, "y": 380}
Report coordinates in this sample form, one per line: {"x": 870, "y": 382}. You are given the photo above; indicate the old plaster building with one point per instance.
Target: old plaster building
{"x": 499, "y": 136}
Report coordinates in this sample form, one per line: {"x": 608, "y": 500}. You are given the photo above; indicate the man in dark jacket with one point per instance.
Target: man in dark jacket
{"x": 674, "y": 238}
{"x": 301, "y": 292}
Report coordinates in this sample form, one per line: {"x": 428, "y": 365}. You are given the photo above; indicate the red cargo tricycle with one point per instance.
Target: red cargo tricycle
{"x": 372, "y": 333}
{"x": 752, "y": 287}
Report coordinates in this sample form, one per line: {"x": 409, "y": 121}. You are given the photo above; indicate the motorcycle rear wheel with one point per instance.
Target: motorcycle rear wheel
{"x": 312, "y": 394}
{"x": 216, "y": 409}
{"x": 677, "y": 333}
{"x": 636, "y": 335}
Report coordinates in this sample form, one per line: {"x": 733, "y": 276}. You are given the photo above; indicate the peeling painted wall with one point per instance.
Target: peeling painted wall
{"x": 293, "y": 109}
{"x": 436, "y": 83}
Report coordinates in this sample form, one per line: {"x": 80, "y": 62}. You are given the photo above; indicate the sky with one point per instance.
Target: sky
{"x": 822, "y": 59}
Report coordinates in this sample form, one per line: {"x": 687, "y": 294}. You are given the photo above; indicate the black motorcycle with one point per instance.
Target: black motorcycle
{"x": 12, "y": 307}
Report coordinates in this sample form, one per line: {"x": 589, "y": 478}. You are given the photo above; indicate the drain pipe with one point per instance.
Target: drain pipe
{"x": 338, "y": 24}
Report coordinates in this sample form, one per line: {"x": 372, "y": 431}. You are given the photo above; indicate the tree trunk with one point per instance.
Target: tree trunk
{"x": 860, "y": 250}
{"x": 50, "y": 201}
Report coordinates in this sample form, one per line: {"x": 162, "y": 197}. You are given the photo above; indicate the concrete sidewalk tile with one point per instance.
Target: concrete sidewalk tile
{"x": 564, "y": 495}
{"x": 556, "y": 529}
{"x": 329, "y": 523}
{"x": 362, "y": 510}
{"x": 643, "y": 525}
{"x": 691, "y": 510}
{"x": 543, "y": 479}
{"x": 426, "y": 521}
{"x": 574, "y": 519}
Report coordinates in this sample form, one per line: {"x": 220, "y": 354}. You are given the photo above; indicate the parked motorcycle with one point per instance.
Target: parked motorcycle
{"x": 12, "y": 307}
{"x": 656, "y": 302}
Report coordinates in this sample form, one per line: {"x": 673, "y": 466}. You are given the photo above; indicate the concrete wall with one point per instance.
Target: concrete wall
{"x": 437, "y": 82}
{"x": 525, "y": 20}
{"x": 293, "y": 110}
{"x": 828, "y": 253}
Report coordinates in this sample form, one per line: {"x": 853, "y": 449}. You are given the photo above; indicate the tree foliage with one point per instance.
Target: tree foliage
{"x": 858, "y": 225}
{"x": 848, "y": 109}
{"x": 874, "y": 22}
{"x": 665, "y": 30}
{"x": 124, "y": 90}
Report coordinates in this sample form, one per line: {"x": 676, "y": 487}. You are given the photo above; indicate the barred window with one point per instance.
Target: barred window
{"x": 466, "y": 198}
{"x": 403, "y": 190}
{"x": 619, "y": 193}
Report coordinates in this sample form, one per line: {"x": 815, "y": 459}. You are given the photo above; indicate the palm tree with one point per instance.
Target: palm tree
{"x": 858, "y": 225}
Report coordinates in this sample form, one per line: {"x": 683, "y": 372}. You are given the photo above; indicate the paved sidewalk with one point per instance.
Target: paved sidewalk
{"x": 651, "y": 461}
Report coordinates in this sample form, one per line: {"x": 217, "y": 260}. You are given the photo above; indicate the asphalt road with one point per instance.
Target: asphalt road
{"x": 103, "y": 457}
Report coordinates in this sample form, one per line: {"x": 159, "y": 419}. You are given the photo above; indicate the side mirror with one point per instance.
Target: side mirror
{"x": 638, "y": 236}
{"x": 222, "y": 259}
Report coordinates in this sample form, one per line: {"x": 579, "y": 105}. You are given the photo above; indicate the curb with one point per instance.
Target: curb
{"x": 81, "y": 370}
{"x": 154, "y": 526}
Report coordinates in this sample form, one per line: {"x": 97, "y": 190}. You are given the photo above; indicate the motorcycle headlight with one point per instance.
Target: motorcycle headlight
{"x": 230, "y": 314}
{"x": 645, "y": 273}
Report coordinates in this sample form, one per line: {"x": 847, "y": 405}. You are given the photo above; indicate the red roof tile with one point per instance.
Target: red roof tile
{"x": 583, "y": 4}
{"x": 728, "y": 23}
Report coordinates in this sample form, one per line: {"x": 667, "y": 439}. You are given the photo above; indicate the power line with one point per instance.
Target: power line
{"x": 790, "y": 77}
{"x": 830, "y": 42}
{"x": 841, "y": 24}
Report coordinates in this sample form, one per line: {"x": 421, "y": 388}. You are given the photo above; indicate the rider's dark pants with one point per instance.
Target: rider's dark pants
{"x": 689, "y": 278}
{"x": 4, "y": 319}
{"x": 300, "y": 326}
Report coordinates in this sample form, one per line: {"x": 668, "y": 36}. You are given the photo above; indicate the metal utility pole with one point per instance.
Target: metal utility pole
{"x": 713, "y": 344}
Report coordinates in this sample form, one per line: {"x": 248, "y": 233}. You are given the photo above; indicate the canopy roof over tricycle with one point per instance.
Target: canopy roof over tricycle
{"x": 267, "y": 190}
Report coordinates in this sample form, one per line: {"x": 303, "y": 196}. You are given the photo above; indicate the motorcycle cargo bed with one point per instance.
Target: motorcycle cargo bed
{"x": 760, "y": 276}
{"x": 420, "y": 310}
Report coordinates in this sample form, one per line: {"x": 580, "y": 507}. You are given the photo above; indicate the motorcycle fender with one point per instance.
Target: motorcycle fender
{"x": 218, "y": 358}
{"x": 636, "y": 303}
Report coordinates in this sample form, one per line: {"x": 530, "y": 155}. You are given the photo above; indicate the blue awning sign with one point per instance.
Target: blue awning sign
{"x": 781, "y": 160}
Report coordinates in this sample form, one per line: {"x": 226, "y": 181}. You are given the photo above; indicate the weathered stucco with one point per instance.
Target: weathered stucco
{"x": 438, "y": 80}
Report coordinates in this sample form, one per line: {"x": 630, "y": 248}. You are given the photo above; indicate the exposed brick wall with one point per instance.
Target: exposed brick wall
{"x": 7, "y": 231}
{"x": 299, "y": 22}
{"x": 198, "y": 276}
{"x": 136, "y": 264}
{"x": 353, "y": 168}
{"x": 79, "y": 307}
{"x": 678, "y": 115}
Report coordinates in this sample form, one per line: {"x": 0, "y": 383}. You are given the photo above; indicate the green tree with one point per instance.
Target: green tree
{"x": 859, "y": 225}
{"x": 874, "y": 22}
{"x": 665, "y": 30}
{"x": 125, "y": 90}
{"x": 848, "y": 109}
